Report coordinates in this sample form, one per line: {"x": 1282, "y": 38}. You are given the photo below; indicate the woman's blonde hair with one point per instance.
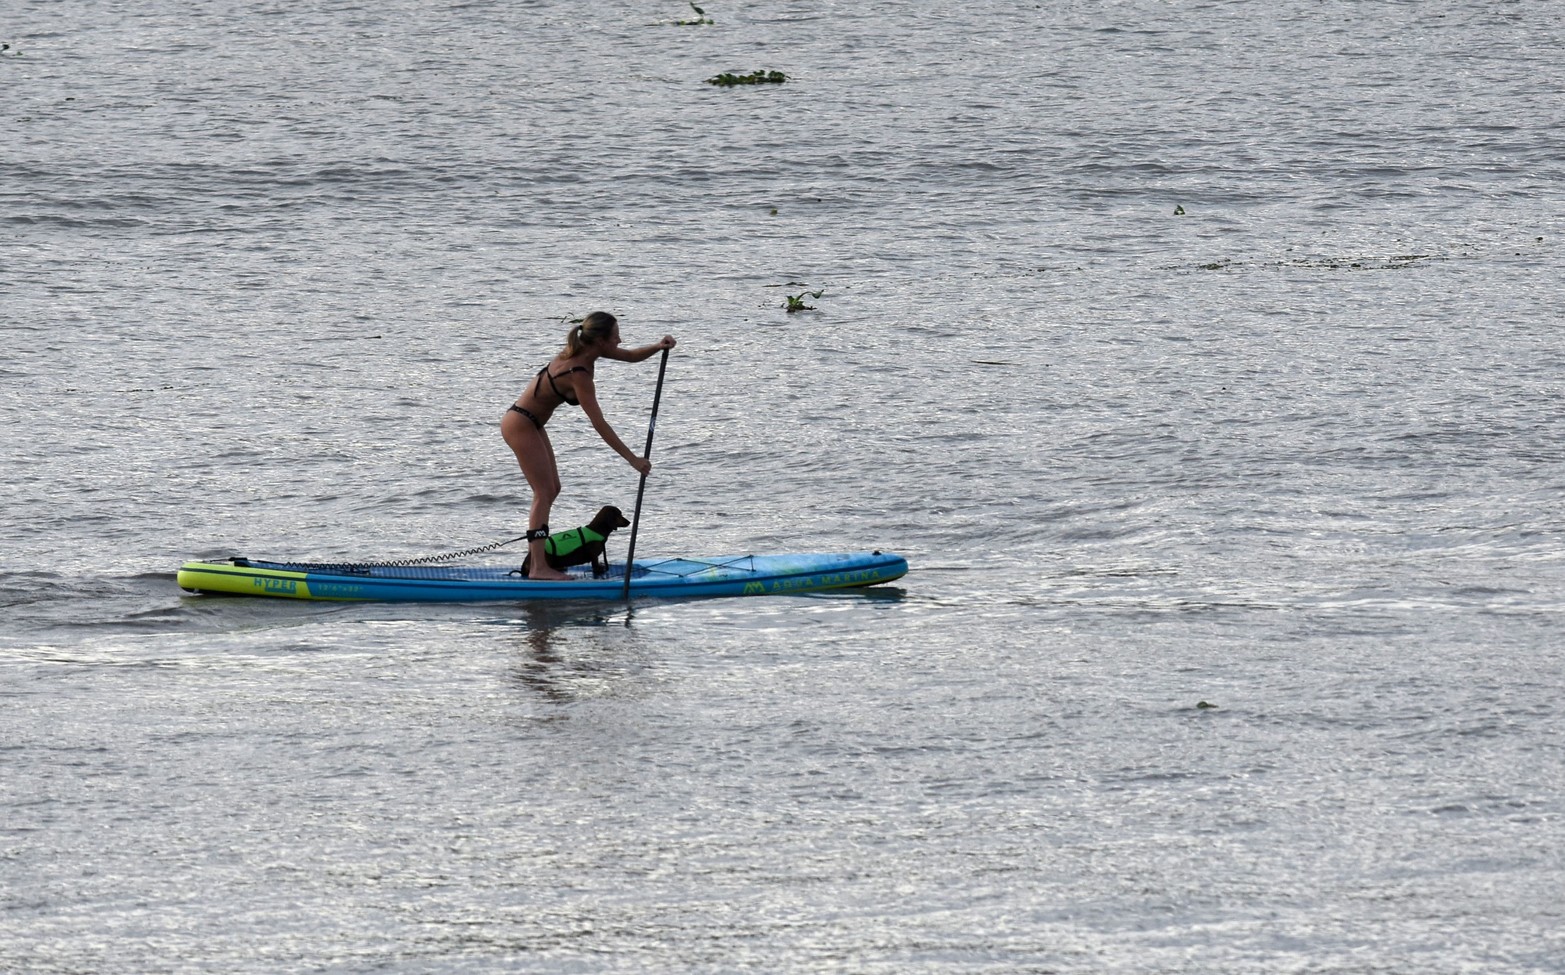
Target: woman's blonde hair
{"x": 597, "y": 327}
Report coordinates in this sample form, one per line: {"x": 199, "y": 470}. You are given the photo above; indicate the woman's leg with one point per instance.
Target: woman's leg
{"x": 535, "y": 454}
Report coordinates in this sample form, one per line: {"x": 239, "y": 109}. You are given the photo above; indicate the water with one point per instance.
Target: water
{"x": 1191, "y": 353}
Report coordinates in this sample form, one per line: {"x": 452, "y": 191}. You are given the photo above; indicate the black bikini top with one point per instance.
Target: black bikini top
{"x": 544, "y": 373}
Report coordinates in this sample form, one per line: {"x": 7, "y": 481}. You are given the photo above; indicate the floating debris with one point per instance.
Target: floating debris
{"x": 702, "y": 20}
{"x": 1391, "y": 262}
{"x": 1203, "y": 706}
{"x": 754, "y": 78}
{"x": 1179, "y": 211}
{"x": 796, "y": 302}
{"x": 700, "y": 14}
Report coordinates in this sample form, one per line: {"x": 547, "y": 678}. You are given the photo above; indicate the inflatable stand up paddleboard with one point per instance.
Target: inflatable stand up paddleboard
{"x": 735, "y": 575}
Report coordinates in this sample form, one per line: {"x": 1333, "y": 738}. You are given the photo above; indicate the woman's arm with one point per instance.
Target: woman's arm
{"x": 587, "y": 396}
{"x": 643, "y": 353}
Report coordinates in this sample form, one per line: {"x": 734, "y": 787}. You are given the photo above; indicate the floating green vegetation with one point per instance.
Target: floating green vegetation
{"x": 1179, "y": 211}
{"x": 701, "y": 18}
{"x": 754, "y": 78}
{"x": 796, "y": 302}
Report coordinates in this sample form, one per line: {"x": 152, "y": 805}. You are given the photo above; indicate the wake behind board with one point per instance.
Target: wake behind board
{"x": 737, "y": 575}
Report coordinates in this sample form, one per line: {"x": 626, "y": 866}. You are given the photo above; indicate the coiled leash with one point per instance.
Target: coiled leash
{"x": 410, "y": 563}
{"x": 448, "y": 556}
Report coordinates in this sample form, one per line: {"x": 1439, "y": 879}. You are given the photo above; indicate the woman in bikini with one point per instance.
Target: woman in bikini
{"x": 566, "y": 379}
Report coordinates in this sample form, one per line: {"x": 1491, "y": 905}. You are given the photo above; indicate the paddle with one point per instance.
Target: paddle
{"x": 635, "y": 521}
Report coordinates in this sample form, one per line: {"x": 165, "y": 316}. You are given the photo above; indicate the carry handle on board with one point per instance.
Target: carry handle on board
{"x": 635, "y": 521}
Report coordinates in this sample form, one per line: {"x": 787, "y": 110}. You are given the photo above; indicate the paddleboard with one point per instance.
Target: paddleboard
{"x": 736, "y": 575}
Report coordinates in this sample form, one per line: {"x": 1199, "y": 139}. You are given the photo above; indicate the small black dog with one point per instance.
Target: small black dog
{"x": 581, "y": 545}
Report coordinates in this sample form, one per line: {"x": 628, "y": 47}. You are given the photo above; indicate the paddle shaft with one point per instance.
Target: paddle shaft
{"x": 635, "y": 521}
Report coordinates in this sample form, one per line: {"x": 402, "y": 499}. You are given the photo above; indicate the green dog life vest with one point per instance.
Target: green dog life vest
{"x": 567, "y": 542}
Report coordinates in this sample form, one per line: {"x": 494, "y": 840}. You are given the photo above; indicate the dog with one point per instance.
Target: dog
{"x": 579, "y": 546}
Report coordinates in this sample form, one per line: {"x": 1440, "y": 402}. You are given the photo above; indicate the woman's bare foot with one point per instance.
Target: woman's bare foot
{"x": 537, "y": 564}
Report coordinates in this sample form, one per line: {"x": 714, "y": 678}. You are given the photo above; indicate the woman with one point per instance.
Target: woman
{"x": 566, "y": 379}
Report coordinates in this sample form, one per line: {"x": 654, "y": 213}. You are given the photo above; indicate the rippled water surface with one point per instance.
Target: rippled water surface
{"x": 1203, "y": 359}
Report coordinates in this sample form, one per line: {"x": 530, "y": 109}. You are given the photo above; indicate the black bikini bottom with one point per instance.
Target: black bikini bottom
{"x": 526, "y": 413}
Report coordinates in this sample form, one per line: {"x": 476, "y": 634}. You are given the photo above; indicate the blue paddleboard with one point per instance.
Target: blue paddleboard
{"x": 735, "y": 575}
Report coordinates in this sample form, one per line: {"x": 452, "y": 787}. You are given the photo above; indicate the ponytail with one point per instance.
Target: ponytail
{"x": 594, "y": 328}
